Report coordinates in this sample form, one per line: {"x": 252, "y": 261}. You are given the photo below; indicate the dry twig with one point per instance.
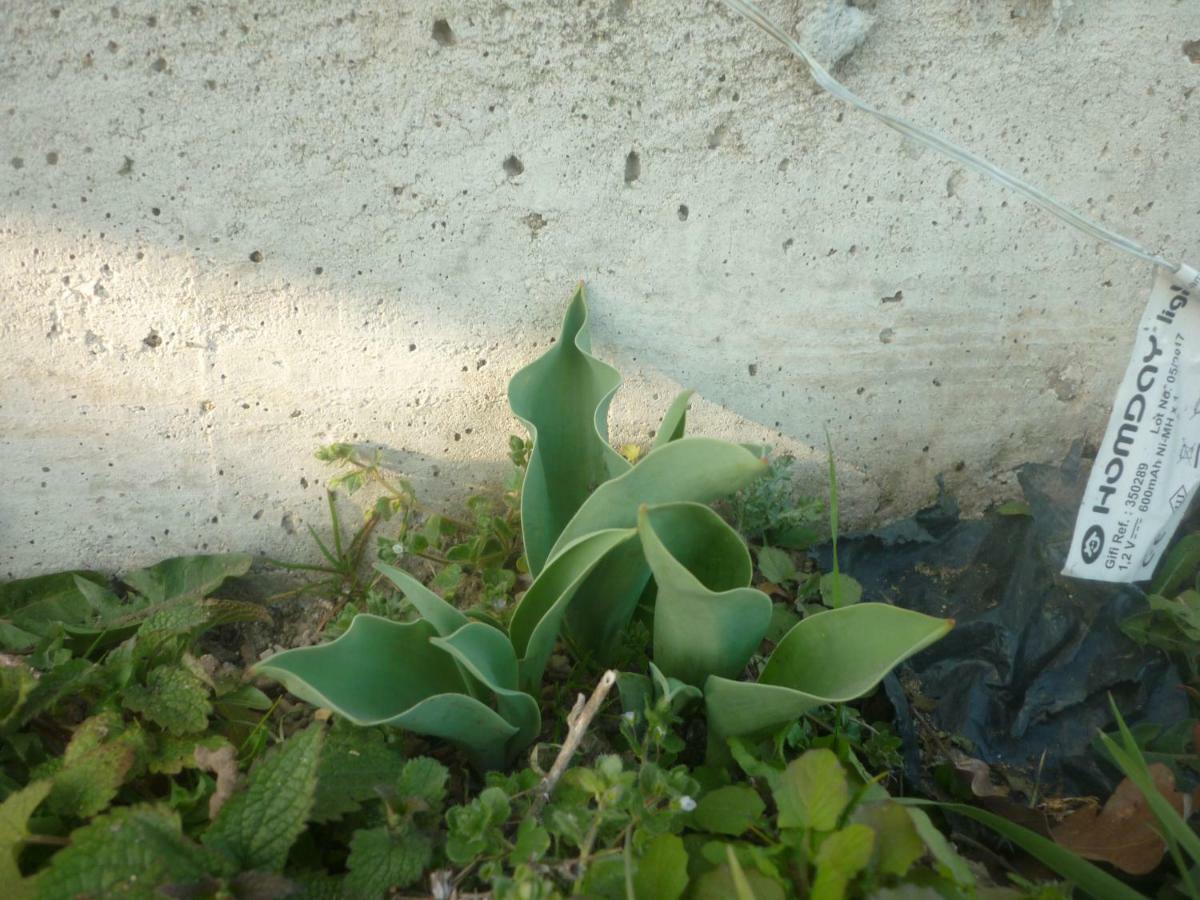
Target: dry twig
{"x": 577, "y": 725}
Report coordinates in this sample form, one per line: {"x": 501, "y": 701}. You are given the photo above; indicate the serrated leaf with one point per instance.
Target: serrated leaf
{"x": 840, "y": 858}
{"x": 812, "y": 792}
{"x": 99, "y": 759}
{"x": 15, "y": 812}
{"x": 531, "y": 844}
{"x": 260, "y": 823}
{"x": 662, "y": 872}
{"x": 16, "y": 684}
{"x": 382, "y": 859}
{"x": 776, "y": 565}
{"x": 173, "y": 698}
{"x": 126, "y": 853}
{"x": 422, "y": 783}
{"x": 839, "y": 589}
{"x": 356, "y": 765}
{"x": 69, "y": 677}
{"x": 172, "y": 754}
{"x": 728, "y": 810}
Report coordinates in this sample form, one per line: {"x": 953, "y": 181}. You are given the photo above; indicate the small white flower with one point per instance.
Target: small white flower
{"x": 398, "y": 549}
{"x": 686, "y": 803}
{"x": 629, "y": 716}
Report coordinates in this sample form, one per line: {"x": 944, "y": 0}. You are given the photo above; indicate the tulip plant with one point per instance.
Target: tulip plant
{"x": 601, "y": 533}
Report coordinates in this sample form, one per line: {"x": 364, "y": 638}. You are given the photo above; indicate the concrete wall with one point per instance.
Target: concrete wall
{"x": 230, "y": 232}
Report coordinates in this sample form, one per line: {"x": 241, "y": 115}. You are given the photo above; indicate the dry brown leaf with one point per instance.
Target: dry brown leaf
{"x": 1123, "y": 831}
{"x": 979, "y": 774}
{"x": 222, "y": 762}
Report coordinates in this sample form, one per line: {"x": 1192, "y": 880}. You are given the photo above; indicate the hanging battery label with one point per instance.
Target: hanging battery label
{"x": 1148, "y": 465}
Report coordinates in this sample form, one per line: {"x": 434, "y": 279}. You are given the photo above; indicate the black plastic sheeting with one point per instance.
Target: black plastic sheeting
{"x": 1029, "y": 667}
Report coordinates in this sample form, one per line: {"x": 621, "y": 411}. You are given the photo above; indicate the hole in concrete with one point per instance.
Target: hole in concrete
{"x": 513, "y": 166}
{"x": 633, "y": 167}
{"x": 256, "y": 256}
{"x": 443, "y": 33}
{"x": 683, "y": 212}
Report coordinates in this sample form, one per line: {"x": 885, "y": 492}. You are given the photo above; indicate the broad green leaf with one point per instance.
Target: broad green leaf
{"x": 689, "y": 469}
{"x": 897, "y": 843}
{"x": 812, "y": 793}
{"x": 258, "y": 824}
{"x": 15, "y": 812}
{"x": 538, "y": 618}
{"x": 562, "y": 398}
{"x": 34, "y": 606}
{"x": 675, "y": 420}
{"x": 728, "y": 810}
{"x": 356, "y": 765}
{"x": 488, "y": 655}
{"x": 186, "y": 576}
{"x": 721, "y": 884}
{"x": 128, "y": 852}
{"x": 173, "y": 698}
{"x": 840, "y": 858}
{"x": 829, "y": 657}
{"x": 382, "y": 859}
{"x": 776, "y": 565}
{"x": 1178, "y": 567}
{"x": 706, "y": 620}
{"x": 662, "y": 872}
{"x": 839, "y": 589}
{"x": 1085, "y": 876}
{"x": 381, "y": 672}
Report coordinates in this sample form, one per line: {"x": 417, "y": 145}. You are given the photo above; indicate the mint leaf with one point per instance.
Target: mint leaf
{"x": 98, "y": 760}
{"x": 422, "y": 784}
{"x": 476, "y": 828}
{"x": 173, "y": 697}
{"x": 356, "y": 765}
{"x": 382, "y": 859}
{"x": 127, "y": 853}
{"x": 14, "y": 829}
{"x": 259, "y": 824}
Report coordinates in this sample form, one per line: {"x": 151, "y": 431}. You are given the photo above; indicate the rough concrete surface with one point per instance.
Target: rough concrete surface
{"x": 231, "y": 232}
